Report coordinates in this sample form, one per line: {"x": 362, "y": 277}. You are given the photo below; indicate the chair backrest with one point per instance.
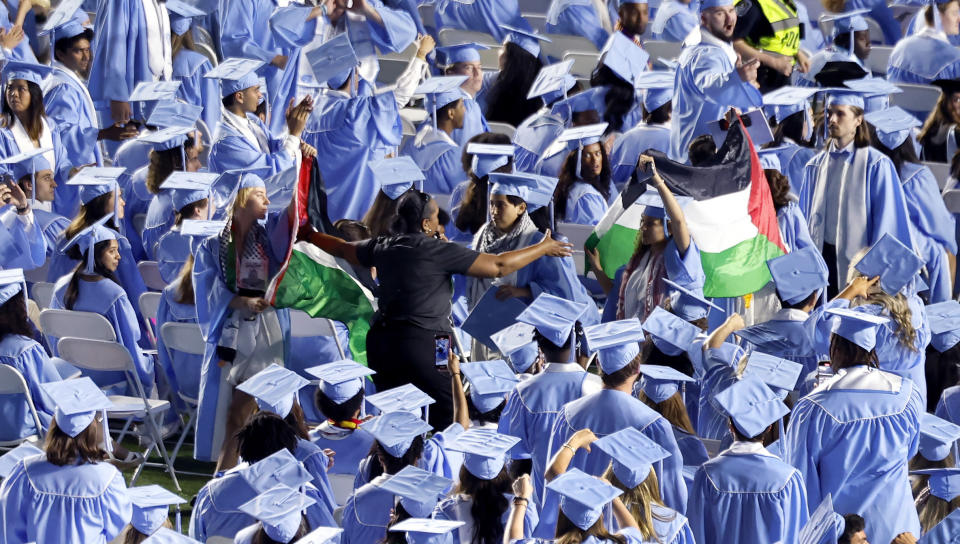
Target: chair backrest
{"x": 408, "y": 127}
{"x": 37, "y": 274}
{"x": 342, "y": 486}
{"x": 13, "y": 383}
{"x": 304, "y": 326}
{"x": 576, "y": 234}
{"x": 201, "y": 36}
{"x": 538, "y": 21}
{"x": 454, "y": 36}
{"x": 390, "y": 70}
{"x": 96, "y": 355}
{"x": 660, "y": 49}
{"x": 490, "y": 58}
{"x": 64, "y": 323}
{"x": 208, "y": 52}
{"x": 583, "y": 63}
{"x": 876, "y": 33}
{"x": 42, "y": 293}
{"x": 149, "y": 303}
{"x": 878, "y": 59}
{"x": 534, "y": 6}
{"x": 940, "y": 170}
{"x": 150, "y": 272}
{"x": 502, "y": 128}
{"x": 561, "y": 44}
{"x": 183, "y": 337}
{"x": 427, "y": 15}
{"x": 917, "y": 99}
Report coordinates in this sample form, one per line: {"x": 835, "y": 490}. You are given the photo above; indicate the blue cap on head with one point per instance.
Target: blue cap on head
{"x": 489, "y": 157}
{"x": 895, "y": 263}
{"x": 552, "y": 81}
{"x": 169, "y": 536}
{"x": 944, "y": 319}
{"x": 945, "y": 532}
{"x": 406, "y": 398}
{"x": 427, "y": 528}
{"x": 944, "y": 484}
{"x": 658, "y": 86}
{"x": 708, "y": 4}
{"x": 752, "y": 405}
{"x": 582, "y": 497}
{"x": 236, "y": 74}
{"x": 633, "y": 455}
{"x": 528, "y": 41}
{"x": 188, "y": 187}
{"x": 780, "y": 374}
{"x": 786, "y": 101}
{"x": 166, "y": 138}
{"x": 274, "y": 388}
{"x": 670, "y": 333}
{"x": 95, "y": 181}
{"x": 937, "y": 437}
{"x": 27, "y": 71}
{"x": 279, "y": 510}
{"x": 520, "y": 185}
{"x": 334, "y": 61}
{"x": 419, "y": 490}
{"x": 661, "y": 382}
{"x": 441, "y": 91}
{"x": 845, "y": 98}
{"x": 798, "y": 274}
{"x": 490, "y": 381}
{"x": 199, "y": 230}
{"x": 30, "y": 166}
{"x": 69, "y": 29}
{"x": 689, "y": 305}
{"x": 322, "y": 535}
{"x": 150, "y": 507}
{"x": 89, "y": 237}
{"x": 553, "y": 317}
{"x": 181, "y": 16}
{"x": 894, "y": 125}
{"x": 769, "y": 160}
{"x": 626, "y": 59}
{"x": 395, "y": 431}
{"x": 517, "y": 345}
{"x": 849, "y": 21}
{"x": 617, "y": 343}
{"x": 465, "y": 52}
{"x": 653, "y": 202}
{"x": 396, "y": 175}
{"x": 278, "y": 468}
{"x": 856, "y": 326}
{"x": 77, "y": 403}
{"x": 588, "y": 100}
{"x": 11, "y": 283}
{"x": 484, "y": 451}
{"x": 340, "y": 380}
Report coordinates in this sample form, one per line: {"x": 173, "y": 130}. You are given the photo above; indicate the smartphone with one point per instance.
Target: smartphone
{"x": 441, "y": 351}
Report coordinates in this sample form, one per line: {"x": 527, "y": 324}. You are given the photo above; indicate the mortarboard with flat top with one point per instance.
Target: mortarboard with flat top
{"x": 944, "y": 532}
{"x": 151, "y": 507}
{"x": 944, "y": 319}
{"x": 77, "y": 402}
{"x": 786, "y": 101}
{"x": 754, "y": 122}
{"x": 857, "y": 327}
{"x": 490, "y": 315}
{"x": 937, "y": 437}
{"x": 322, "y": 535}
{"x": 658, "y": 87}
{"x": 528, "y": 41}
{"x": 488, "y": 157}
{"x": 88, "y": 238}
{"x": 617, "y": 343}
{"x": 824, "y": 525}
{"x": 236, "y": 74}
{"x": 798, "y": 274}
{"x": 334, "y": 61}
{"x": 395, "y": 431}
{"x": 553, "y": 317}
{"x": 582, "y": 497}
{"x": 419, "y": 490}
{"x": 944, "y": 482}
{"x": 895, "y": 263}
{"x": 169, "y": 536}
{"x": 396, "y": 175}
{"x": 182, "y": 15}
{"x": 894, "y": 125}
{"x": 688, "y": 304}
{"x": 274, "y": 388}
{"x": 516, "y": 343}
{"x": 490, "y": 381}
{"x": 11, "y": 283}
{"x": 552, "y": 81}
{"x": 670, "y": 333}
{"x": 279, "y": 510}
{"x": 449, "y": 55}
{"x": 752, "y": 405}
{"x": 633, "y": 455}
{"x": 659, "y": 382}
{"x": 625, "y": 58}
{"x": 340, "y": 380}
{"x": 291, "y": 25}
{"x": 426, "y": 526}
{"x": 778, "y": 373}
{"x": 279, "y": 468}
{"x": 484, "y": 451}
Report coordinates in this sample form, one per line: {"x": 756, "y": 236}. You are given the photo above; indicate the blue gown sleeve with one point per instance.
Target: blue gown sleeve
{"x": 15, "y": 495}
{"x": 211, "y": 294}
{"x": 115, "y": 509}
{"x": 63, "y": 106}
{"x": 232, "y": 152}
{"x": 237, "y": 37}
{"x": 793, "y": 227}
{"x": 513, "y": 423}
{"x": 686, "y": 270}
{"x": 803, "y": 436}
{"x": 886, "y": 204}
{"x": 116, "y": 29}
{"x": 445, "y": 174}
{"x": 398, "y": 30}
{"x": 202, "y": 91}
{"x": 715, "y": 84}
{"x": 927, "y": 210}
{"x": 613, "y": 297}
{"x": 580, "y": 20}
{"x": 21, "y": 245}
{"x": 589, "y": 209}
{"x": 128, "y": 334}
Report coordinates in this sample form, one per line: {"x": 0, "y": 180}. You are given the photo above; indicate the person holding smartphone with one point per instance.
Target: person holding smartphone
{"x": 415, "y": 265}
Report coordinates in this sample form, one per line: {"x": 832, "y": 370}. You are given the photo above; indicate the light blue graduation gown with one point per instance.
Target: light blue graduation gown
{"x": 852, "y": 437}
{"x": 439, "y": 157}
{"x": 948, "y": 407}
{"x": 52, "y": 226}
{"x": 182, "y": 369}
{"x": 474, "y": 122}
{"x": 628, "y": 148}
{"x": 23, "y": 51}
{"x": 212, "y": 298}
{"x": 171, "y": 253}
{"x": 231, "y": 151}
{"x": 794, "y": 338}
{"x": 108, "y": 299}
{"x": 457, "y": 508}
{"x": 366, "y": 514}
{"x": 673, "y": 21}
{"x": 533, "y": 136}
{"x": 532, "y": 408}
{"x": 692, "y": 450}
{"x": 159, "y": 221}
{"x": 793, "y": 158}
{"x": 923, "y": 58}
{"x": 433, "y": 459}
{"x": 312, "y": 458}
{"x": 22, "y": 243}
{"x": 706, "y": 87}
{"x": 68, "y": 103}
{"x": 577, "y": 18}
{"x": 456, "y": 199}
{"x": 794, "y": 232}
{"x": 43, "y": 502}
{"x": 934, "y": 227}
{"x": 349, "y": 132}
{"x": 136, "y": 199}
{"x": 189, "y": 68}
{"x": 585, "y": 204}
{"x": 310, "y": 351}
{"x": 29, "y": 358}
{"x": 747, "y": 494}
{"x": 351, "y": 446}
{"x": 66, "y": 198}
{"x": 481, "y": 16}
{"x": 718, "y": 374}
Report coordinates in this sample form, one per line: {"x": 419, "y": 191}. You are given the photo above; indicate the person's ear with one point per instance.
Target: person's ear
{"x": 523, "y": 207}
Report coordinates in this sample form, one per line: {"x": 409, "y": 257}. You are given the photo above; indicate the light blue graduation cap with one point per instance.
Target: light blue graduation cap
{"x": 488, "y": 157}
{"x": 406, "y": 398}
{"x": 426, "y": 527}
{"x": 894, "y": 125}
{"x": 937, "y": 437}
{"x": 291, "y": 26}
{"x": 798, "y": 273}
{"x": 173, "y": 113}
{"x": 588, "y": 100}
{"x": 484, "y": 451}
{"x": 688, "y": 304}
{"x": 199, "y": 230}
{"x": 658, "y": 87}
{"x": 340, "y": 380}
{"x": 708, "y": 4}
{"x": 582, "y": 497}
{"x": 27, "y": 71}
{"x": 489, "y": 315}
{"x": 617, "y": 343}
{"x": 786, "y": 101}
{"x": 11, "y": 283}
{"x": 490, "y": 381}
{"x": 653, "y": 203}
{"x": 516, "y": 343}
{"x": 944, "y": 482}
{"x": 553, "y": 317}
{"x": 148, "y": 91}
{"x": 945, "y": 532}
{"x": 536, "y": 190}
{"x": 188, "y": 187}
{"x": 150, "y": 507}
{"x": 322, "y": 535}
{"x": 464, "y": 52}
{"x": 419, "y": 490}
{"x": 94, "y": 181}
{"x": 778, "y": 373}
{"x": 236, "y": 74}
{"x": 167, "y": 138}
{"x": 661, "y": 382}
{"x": 395, "y": 431}
{"x": 846, "y": 22}
{"x": 279, "y": 511}
{"x": 89, "y": 237}
{"x": 61, "y": 16}
{"x": 754, "y": 122}
{"x": 769, "y": 159}
{"x": 633, "y": 455}
{"x": 752, "y": 405}
{"x": 823, "y": 526}
{"x": 181, "y": 16}
{"x": 670, "y": 333}
{"x": 169, "y": 536}
{"x": 279, "y": 468}
{"x": 841, "y": 97}
{"x": 944, "y": 319}
{"x": 275, "y": 389}
{"x": 857, "y": 327}
{"x": 625, "y": 58}
{"x": 895, "y": 263}
{"x": 396, "y": 175}
{"x": 529, "y": 41}
{"x": 77, "y": 402}
{"x": 9, "y": 460}
{"x": 334, "y": 61}
{"x": 582, "y": 136}
{"x": 28, "y": 163}
{"x": 552, "y": 82}
{"x": 439, "y": 92}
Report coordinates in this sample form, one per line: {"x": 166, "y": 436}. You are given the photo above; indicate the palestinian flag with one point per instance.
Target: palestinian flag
{"x": 732, "y": 218}
{"x": 316, "y": 282}
{"x": 615, "y": 236}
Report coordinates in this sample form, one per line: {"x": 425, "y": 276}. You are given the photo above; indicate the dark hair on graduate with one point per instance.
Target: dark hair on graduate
{"x": 13, "y": 317}
{"x": 412, "y": 208}
{"x": 338, "y": 412}
{"x": 904, "y": 152}
{"x": 568, "y": 533}
{"x": 799, "y": 305}
{"x": 489, "y": 504}
{"x": 263, "y": 435}
{"x": 701, "y": 150}
{"x": 651, "y": 355}
{"x": 73, "y": 287}
{"x": 791, "y": 127}
{"x": 551, "y": 351}
{"x": 844, "y": 354}
{"x": 35, "y": 112}
{"x": 619, "y": 98}
{"x": 493, "y": 416}
{"x": 658, "y": 116}
{"x": 853, "y": 524}
{"x": 379, "y": 218}
{"x": 739, "y": 436}
{"x": 260, "y": 537}
{"x": 63, "y": 45}
{"x": 862, "y": 137}
{"x": 396, "y": 537}
{"x": 165, "y": 162}
{"x": 297, "y": 422}
{"x": 388, "y": 464}
{"x": 934, "y": 509}
{"x": 442, "y": 112}
{"x": 568, "y": 177}
{"x": 89, "y": 213}
{"x": 507, "y": 100}
{"x": 942, "y": 371}
{"x": 352, "y": 230}
{"x": 618, "y": 378}
{"x": 473, "y": 207}
{"x": 673, "y": 410}
{"x": 86, "y": 447}
{"x": 779, "y": 188}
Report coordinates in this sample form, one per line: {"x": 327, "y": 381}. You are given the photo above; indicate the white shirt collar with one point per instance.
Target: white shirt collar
{"x": 746, "y": 448}
{"x": 563, "y": 367}
{"x": 709, "y": 39}
{"x": 790, "y": 314}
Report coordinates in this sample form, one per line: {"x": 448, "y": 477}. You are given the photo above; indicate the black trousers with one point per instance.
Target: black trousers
{"x": 403, "y": 353}
{"x": 834, "y": 284}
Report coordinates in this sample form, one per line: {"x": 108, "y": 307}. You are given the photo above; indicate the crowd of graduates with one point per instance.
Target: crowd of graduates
{"x": 453, "y": 369}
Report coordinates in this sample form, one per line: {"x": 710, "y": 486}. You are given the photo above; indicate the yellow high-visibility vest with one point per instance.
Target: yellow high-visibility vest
{"x": 782, "y": 16}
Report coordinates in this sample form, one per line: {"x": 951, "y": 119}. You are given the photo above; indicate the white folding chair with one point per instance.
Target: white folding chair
{"x": 12, "y": 383}
{"x": 63, "y": 323}
{"x": 538, "y": 21}
{"x": 149, "y": 303}
{"x": 33, "y": 313}
{"x": 576, "y": 234}
{"x": 940, "y": 170}
{"x": 427, "y": 15}
{"x": 878, "y": 59}
{"x": 561, "y": 44}
{"x": 150, "y": 272}
{"x": 414, "y": 115}
{"x": 390, "y": 70}
{"x": 660, "y": 49}
{"x": 65, "y": 369}
{"x": 42, "y": 293}
{"x": 490, "y": 59}
{"x": 455, "y": 36}
{"x": 443, "y": 201}
{"x": 37, "y": 274}
{"x": 502, "y": 128}
{"x": 876, "y": 33}
{"x": 342, "y": 487}
{"x": 583, "y": 63}
{"x": 917, "y": 99}
{"x": 183, "y": 338}
{"x": 113, "y": 357}
{"x": 304, "y": 326}
{"x": 534, "y": 6}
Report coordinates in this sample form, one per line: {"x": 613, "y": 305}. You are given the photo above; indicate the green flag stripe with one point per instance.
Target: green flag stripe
{"x": 727, "y": 276}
